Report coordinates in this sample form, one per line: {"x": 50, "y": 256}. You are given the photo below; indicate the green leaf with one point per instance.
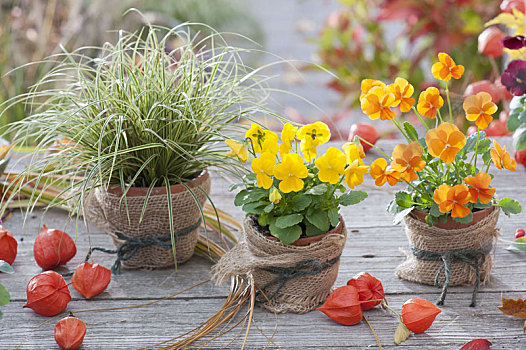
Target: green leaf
{"x": 334, "y": 217}
{"x": 299, "y": 202}
{"x": 268, "y": 208}
{"x": 239, "y": 199}
{"x": 403, "y": 199}
{"x": 5, "y": 267}
{"x": 411, "y": 132}
{"x": 286, "y": 235}
{"x": 486, "y": 157}
{"x": 4, "y": 295}
{"x": 471, "y": 141}
{"x": 518, "y": 246}
{"x": 479, "y": 205}
{"x": 320, "y": 219}
{"x": 255, "y": 207}
{"x": 250, "y": 195}
{"x": 318, "y": 190}
{"x": 264, "y": 219}
{"x": 311, "y": 230}
{"x": 443, "y": 218}
{"x": 514, "y": 121}
{"x": 431, "y": 220}
{"x": 465, "y": 220}
{"x": 235, "y": 186}
{"x": 519, "y": 138}
{"x": 509, "y": 206}
{"x": 435, "y": 210}
{"x": 288, "y": 220}
{"x": 484, "y": 146}
{"x": 352, "y": 197}
{"x": 401, "y": 215}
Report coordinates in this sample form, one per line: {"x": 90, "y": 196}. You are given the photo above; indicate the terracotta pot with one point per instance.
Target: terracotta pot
{"x": 302, "y": 242}
{"x": 452, "y": 224}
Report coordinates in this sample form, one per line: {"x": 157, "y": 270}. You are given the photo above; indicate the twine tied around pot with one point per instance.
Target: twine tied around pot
{"x": 473, "y": 257}
{"x": 285, "y": 274}
{"x": 132, "y": 245}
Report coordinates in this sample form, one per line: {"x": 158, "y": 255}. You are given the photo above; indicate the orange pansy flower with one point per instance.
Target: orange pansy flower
{"x": 377, "y": 102}
{"x": 501, "y": 158}
{"x": 407, "y": 160}
{"x": 446, "y": 68}
{"x": 480, "y": 188}
{"x": 381, "y": 174}
{"x": 402, "y": 91}
{"x": 452, "y": 199}
{"x": 445, "y": 141}
{"x": 368, "y": 84}
{"x": 429, "y": 102}
{"x": 479, "y": 109}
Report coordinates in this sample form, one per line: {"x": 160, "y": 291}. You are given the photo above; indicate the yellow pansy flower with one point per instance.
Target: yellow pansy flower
{"x": 501, "y": 158}
{"x": 291, "y": 171}
{"x": 479, "y": 108}
{"x": 311, "y": 136}
{"x": 407, "y": 160}
{"x": 376, "y": 104}
{"x": 446, "y": 68}
{"x": 262, "y": 140}
{"x": 368, "y": 84}
{"x": 274, "y": 195}
{"x": 429, "y": 102}
{"x": 352, "y": 144}
{"x": 355, "y": 169}
{"x": 263, "y": 167}
{"x": 402, "y": 91}
{"x": 237, "y": 149}
{"x": 288, "y": 134}
{"x": 381, "y": 174}
{"x": 445, "y": 141}
{"x": 331, "y": 165}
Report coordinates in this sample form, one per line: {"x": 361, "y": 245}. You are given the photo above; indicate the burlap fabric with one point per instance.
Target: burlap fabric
{"x": 302, "y": 291}
{"x": 481, "y": 235}
{"x": 108, "y": 212}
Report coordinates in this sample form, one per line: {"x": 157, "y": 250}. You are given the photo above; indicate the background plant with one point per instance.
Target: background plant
{"x": 292, "y": 196}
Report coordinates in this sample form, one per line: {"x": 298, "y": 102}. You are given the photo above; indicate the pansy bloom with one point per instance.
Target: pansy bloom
{"x": 368, "y": 84}
{"x": 355, "y": 169}
{"x": 311, "y": 136}
{"x": 446, "y": 68}
{"x": 514, "y": 77}
{"x": 331, "y": 165}
{"x": 402, "y": 91}
{"x": 514, "y": 42}
{"x": 291, "y": 171}
{"x": 288, "y": 134}
{"x": 237, "y": 149}
{"x": 445, "y": 141}
{"x": 407, "y": 160}
{"x": 381, "y": 174}
{"x": 479, "y": 188}
{"x": 453, "y": 199}
{"x": 429, "y": 102}
{"x": 262, "y": 140}
{"x": 501, "y": 158}
{"x": 479, "y": 108}
{"x": 274, "y": 195}
{"x": 263, "y": 167}
{"x": 376, "y": 104}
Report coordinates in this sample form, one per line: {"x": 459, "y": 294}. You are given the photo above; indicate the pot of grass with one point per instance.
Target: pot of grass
{"x": 137, "y": 128}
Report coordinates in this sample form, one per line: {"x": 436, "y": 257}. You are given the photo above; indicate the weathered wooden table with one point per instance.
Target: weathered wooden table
{"x": 373, "y": 246}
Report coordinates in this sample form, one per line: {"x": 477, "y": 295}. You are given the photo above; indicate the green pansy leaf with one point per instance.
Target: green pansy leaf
{"x": 235, "y": 186}
{"x": 484, "y": 146}
{"x": 264, "y": 219}
{"x": 411, "y": 132}
{"x": 352, "y": 197}
{"x": 239, "y": 200}
{"x": 435, "y": 210}
{"x": 255, "y": 207}
{"x": 334, "y": 217}
{"x": 518, "y": 246}
{"x": 288, "y": 220}
{"x": 401, "y": 215}
{"x": 519, "y": 138}
{"x": 471, "y": 141}
{"x": 320, "y": 219}
{"x": 443, "y": 218}
{"x": 286, "y": 235}
{"x": 311, "y": 230}
{"x": 300, "y": 202}
{"x": 5, "y": 267}
{"x": 465, "y": 220}
{"x": 4, "y": 295}
{"x": 509, "y": 206}
{"x": 403, "y": 199}
{"x": 479, "y": 205}
{"x": 318, "y": 190}
{"x": 268, "y": 208}
{"x": 431, "y": 220}
{"x": 513, "y": 121}
{"x": 486, "y": 157}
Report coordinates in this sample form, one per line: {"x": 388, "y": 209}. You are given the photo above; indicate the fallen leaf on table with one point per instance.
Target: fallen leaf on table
{"x": 477, "y": 344}
{"x": 518, "y": 245}
{"x": 401, "y": 333}
{"x": 515, "y": 308}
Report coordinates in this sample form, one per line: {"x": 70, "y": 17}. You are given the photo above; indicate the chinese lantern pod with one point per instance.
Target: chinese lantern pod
{"x": 69, "y": 333}
{"x": 343, "y": 306}
{"x": 418, "y": 314}
{"x": 47, "y": 294}
{"x": 8, "y": 246}
{"x": 91, "y": 279}
{"x": 53, "y": 248}
{"x": 370, "y": 290}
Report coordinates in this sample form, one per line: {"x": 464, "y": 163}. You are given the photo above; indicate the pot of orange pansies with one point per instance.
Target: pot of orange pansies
{"x": 449, "y": 207}
{"x": 294, "y": 233}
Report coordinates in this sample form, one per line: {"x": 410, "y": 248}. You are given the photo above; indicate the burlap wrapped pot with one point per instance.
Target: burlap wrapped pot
{"x": 107, "y": 211}
{"x": 456, "y": 245}
{"x": 293, "y": 278}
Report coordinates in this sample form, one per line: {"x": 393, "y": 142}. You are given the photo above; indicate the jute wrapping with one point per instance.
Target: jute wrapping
{"x": 481, "y": 235}
{"x": 107, "y": 211}
{"x": 302, "y": 292}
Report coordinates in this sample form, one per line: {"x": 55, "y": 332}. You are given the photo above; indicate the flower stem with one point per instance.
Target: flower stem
{"x": 374, "y": 333}
{"x": 375, "y": 147}
{"x": 449, "y": 103}
{"x": 440, "y": 116}
{"x": 420, "y": 117}
{"x": 397, "y": 123}
{"x": 477, "y": 147}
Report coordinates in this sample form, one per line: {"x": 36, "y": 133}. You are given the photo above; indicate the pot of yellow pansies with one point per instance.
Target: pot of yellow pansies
{"x": 294, "y": 233}
{"x": 449, "y": 207}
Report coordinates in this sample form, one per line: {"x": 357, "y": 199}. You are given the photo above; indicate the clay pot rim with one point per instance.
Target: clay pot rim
{"x": 452, "y": 224}
{"x": 305, "y": 241}
{"x": 177, "y": 188}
